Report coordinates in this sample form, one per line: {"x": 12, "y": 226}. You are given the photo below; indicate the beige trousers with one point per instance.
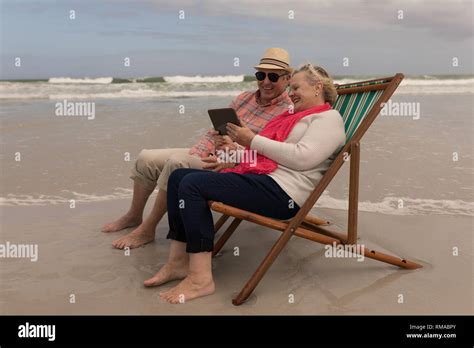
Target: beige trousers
{"x": 153, "y": 167}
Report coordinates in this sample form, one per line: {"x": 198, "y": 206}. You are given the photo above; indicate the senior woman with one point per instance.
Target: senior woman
{"x": 293, "y": 152}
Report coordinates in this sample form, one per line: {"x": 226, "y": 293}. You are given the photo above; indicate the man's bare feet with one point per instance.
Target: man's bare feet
{"x": 168, "y": 273}
{"x": 189, "y": 288}
{"x": 139, "y": 236}
{"x": 123, "y": 222}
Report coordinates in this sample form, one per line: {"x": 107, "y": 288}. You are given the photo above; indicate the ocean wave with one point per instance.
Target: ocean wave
{"x": 435, "y": 89}
{"x": 201, "y": 79}
{"x": 436, "y": 82}
{"x": 389, "y": 205}
{"x": 23, "y": 96}
{"x": 95, "y": 81}
{"x": 426, "y": 80}
{"x": 30, "y": 200}
{"x": 146, "y": 93}
{"x": 188, "y": 87}
{"x": 411, "y": 206}
{"x": 140, "y": 93}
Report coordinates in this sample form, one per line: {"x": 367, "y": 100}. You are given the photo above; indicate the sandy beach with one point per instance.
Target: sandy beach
{"x": 74, "y": 257}
{"x": 403, "y": 159}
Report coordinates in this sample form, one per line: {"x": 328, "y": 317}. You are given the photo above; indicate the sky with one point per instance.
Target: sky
{"x": 378, "y": 37}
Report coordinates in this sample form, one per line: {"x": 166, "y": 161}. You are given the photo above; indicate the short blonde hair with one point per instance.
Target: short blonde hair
{"x": 315, "y": 74}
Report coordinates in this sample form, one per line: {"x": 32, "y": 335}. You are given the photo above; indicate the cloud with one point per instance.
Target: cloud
{"x": 451, "y": 19}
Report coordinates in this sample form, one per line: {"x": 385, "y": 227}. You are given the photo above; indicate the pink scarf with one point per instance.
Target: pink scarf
{"x": 277, "y": 129}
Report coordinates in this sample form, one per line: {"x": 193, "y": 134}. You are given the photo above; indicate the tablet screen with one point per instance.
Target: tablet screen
{"x": 220, "y": 118}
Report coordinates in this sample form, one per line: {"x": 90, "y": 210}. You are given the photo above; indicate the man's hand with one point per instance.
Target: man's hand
{"x": 241, "y": 135}
{"x": 213, "y": 163}
{"x": 223, "y": 142}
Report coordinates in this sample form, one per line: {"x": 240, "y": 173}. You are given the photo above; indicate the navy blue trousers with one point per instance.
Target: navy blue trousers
{"x": 189, "y": 216}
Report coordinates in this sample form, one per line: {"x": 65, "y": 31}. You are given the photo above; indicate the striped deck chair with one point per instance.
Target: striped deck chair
{"x": 359, "y": 104}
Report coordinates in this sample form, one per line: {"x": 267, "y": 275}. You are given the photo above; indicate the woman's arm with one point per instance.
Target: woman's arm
{"x": 323, "y": 136}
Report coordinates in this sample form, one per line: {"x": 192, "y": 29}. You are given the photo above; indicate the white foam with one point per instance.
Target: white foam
{"x": 22, "y": 96}
{"x": 99, "y": 80}
{"x": 428, "y": 86}
{"x": 436, "y": 82}
{"x": 201, "y": 79}
{"x": 131, "y": 94}
{"x": 435, "y": 89}
{"x": 146, "y": 94}
{"x": 100, "y": 88}
{"x": 389, "y": 205}
{"x": 411, "y": 206}
{"x": 143, "y": 93}
{"x": 29, "y": 200}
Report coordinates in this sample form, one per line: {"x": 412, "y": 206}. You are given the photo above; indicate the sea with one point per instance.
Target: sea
{"x": 416, "y": 159}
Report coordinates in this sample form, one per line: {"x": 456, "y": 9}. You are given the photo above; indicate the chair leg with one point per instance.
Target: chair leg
{"x": 339, "y": 239}
{"x": 319, "y": 235}
{"x": 315, "y": 220}
{"x": 264, "y": 266}
{"x": 220, "y": 222}
{"x": 353, "y": 193}
{"x": 223, "y": 239}
{"x": 393, "y": 260}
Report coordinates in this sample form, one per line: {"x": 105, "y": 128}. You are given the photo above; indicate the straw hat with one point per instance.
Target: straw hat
{"x": 275, "y": 58}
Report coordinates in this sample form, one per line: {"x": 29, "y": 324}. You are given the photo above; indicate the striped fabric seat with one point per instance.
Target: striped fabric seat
{"x": 353, "y": 107}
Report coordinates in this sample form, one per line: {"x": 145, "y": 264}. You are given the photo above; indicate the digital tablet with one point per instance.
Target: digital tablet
{"x": 220, "y": 118}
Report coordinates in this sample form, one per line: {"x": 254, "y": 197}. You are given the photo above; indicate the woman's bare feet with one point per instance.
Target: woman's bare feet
{"x": 168, "y": 273}
{"x": 190, "y": 288}
{"x": 139, "y": 236}
{"x": 123, "y": 222}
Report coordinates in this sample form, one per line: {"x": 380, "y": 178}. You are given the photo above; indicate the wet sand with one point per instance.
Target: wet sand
{"x": 76, "y": 258}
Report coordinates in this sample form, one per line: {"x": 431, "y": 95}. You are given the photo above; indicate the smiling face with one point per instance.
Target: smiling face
{"x": 303, "y": 94}
{"x": 270, "y": 90}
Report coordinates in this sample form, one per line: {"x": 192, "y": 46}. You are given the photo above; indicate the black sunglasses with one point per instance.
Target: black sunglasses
{"x": 273, "y": 77}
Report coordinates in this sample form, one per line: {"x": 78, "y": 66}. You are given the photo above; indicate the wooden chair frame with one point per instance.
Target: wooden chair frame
{"x": 307, "y": 226}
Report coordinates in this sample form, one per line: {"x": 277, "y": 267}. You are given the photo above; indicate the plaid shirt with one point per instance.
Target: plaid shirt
{"x": 251, "y": 113}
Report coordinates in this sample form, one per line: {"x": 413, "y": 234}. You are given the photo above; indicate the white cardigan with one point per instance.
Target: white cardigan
{"x": 306, "y": 154}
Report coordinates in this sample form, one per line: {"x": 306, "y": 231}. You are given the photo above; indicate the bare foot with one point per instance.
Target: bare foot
{"x": 123, "y": 222}
{"x": 190, "y": 288}
{"x": 139, "y": 236}
{"x": 168, "y": 273}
